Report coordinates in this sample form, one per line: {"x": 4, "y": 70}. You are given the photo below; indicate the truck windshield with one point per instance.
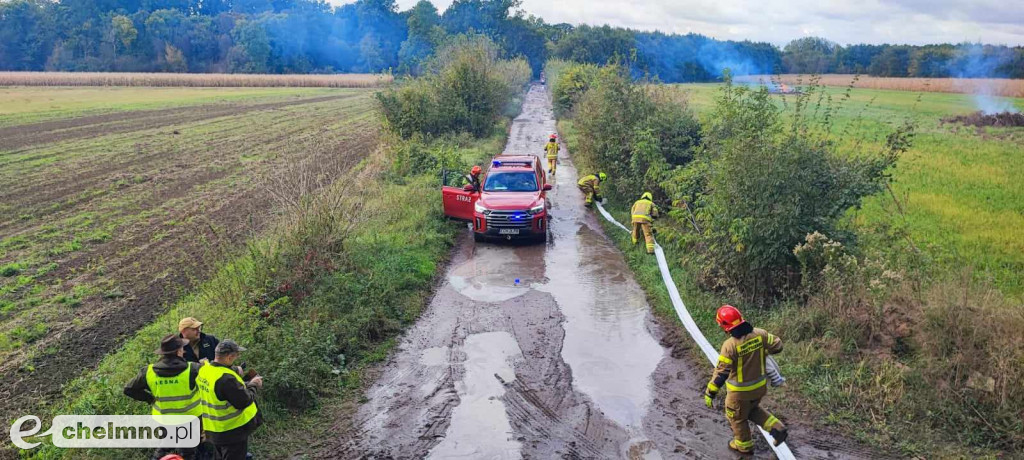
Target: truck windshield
{"x": 511, "y": 182}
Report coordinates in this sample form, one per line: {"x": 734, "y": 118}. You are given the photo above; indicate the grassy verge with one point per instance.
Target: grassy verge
{"x": 316, "y": 300}
{"x": 878, "y": 400}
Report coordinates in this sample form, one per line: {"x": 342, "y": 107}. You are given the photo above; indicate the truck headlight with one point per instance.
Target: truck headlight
{"x": 537, "y": 209}
{"x": 481, "y": 209}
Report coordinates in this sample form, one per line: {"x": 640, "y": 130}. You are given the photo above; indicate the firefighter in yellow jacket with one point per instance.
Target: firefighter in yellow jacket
{"x": 590, "y": 185}
{"x": 551, "y": 148}
{"x": 644, "y": 212}
{"x": 741, "y": 368}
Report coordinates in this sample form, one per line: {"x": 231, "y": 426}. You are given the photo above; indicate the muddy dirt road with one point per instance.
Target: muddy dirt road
{"x": 568, "y": 363}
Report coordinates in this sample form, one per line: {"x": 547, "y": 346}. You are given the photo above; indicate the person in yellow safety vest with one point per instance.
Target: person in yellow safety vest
{"x": 590, "y": 185}
{"x": 741, "y": 368}
{"x": 169, "y": 386}
{"x": 644, "y": 212}
{"x": 552, "y": 148}
{"x": 230, "y": 414}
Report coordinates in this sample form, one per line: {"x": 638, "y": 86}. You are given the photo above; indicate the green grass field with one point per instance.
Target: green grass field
{"x": 961, "y": 187}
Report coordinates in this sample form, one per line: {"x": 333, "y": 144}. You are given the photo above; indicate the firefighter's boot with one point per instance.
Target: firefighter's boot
{"x": 743, "y": 447}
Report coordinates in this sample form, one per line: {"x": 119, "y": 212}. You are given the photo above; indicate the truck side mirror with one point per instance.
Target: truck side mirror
{"x": 547, "y": 187}
{"x": 469, "y": 188}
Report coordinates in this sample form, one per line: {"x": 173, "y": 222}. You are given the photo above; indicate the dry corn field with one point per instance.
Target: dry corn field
{"x": 993, "y": 86}
{"x": 191, "y": 79}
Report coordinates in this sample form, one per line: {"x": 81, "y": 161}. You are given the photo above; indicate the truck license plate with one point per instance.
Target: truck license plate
{"x": 508, "y": 231}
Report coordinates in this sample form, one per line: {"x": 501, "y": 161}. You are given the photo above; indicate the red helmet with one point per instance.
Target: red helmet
{"x": 728, "y": 317}
{"x": 171, "y": 457}
{"x": 476, "y": 170}
{"x": 554, "y": 135}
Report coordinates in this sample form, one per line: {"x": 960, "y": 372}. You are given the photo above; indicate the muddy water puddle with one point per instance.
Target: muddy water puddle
{"x": 497, "y": 273}
{"x": 480, "y": 415}
{"x": 607, "y": 344}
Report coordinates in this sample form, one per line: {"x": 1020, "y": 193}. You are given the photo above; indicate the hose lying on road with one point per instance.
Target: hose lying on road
{"x": 782, "y": 451}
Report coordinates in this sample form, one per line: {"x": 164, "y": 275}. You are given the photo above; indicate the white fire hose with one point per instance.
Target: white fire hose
{"x": 781, "y": 451}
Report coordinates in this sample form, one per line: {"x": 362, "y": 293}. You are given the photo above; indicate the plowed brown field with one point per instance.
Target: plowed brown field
{"x": 105, "y": 218}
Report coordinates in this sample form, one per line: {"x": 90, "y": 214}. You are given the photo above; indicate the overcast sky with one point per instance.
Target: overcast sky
{"x": 779, "y": 21}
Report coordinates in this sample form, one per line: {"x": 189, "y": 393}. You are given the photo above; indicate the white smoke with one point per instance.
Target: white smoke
{"x": 980, "y": 64}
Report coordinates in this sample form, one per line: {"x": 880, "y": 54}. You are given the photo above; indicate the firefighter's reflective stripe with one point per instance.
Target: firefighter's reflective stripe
{"x": 643, "y": 211}
{"x": 745, "y": 445}
{"x": 220, "y": 415}
{"x": 724, "y": 359}
{"x": 172, "y": 395}
{"x": 714, "y": 388}
{"x": 746, "y": 386}
{"x": 768, "y": 424}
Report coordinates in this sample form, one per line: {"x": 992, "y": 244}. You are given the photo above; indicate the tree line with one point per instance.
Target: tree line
{"x": 311, "y": 36}
{"x": 965, "y": 60}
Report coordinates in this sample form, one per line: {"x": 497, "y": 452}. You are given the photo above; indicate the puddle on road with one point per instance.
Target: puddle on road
{"x": 436, "y": 356}
{"x": 490, "y": 275}
{"x": 479, "y": 425}
{"x": 607, "y": 344}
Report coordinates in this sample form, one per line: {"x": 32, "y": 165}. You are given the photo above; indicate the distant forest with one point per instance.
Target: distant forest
{"x": 305, "y": 36}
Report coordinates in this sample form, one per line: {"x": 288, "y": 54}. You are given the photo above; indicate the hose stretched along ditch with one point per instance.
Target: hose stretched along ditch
{"x": 781, "y": 451}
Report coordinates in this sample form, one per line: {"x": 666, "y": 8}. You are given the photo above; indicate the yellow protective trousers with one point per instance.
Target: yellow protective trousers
{"x": 588, "y": 191}
{"x": 739, "y": 411}
{"x": 648, "y": 235}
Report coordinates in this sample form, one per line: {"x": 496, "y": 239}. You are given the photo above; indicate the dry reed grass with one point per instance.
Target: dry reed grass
{"x": 191, "y": 80}
{"x": 994, "y": 86}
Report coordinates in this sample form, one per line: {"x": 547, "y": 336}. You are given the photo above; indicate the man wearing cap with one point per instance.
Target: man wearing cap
{"x": 230, "y": 414}
{"x": 169, "y": 386}
{"x": 200, "y": 345}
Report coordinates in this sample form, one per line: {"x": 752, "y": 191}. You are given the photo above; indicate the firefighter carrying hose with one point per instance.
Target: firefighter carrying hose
{"x": 741, "y": 367}
{"x": 644, "y": 212}
{"x": 551, "y": 148}
{"x": 590, "y": 185}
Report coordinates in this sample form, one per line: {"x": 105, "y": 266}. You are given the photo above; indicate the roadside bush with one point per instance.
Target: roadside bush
{"x": 634, "y": 133}
{"x": 419, "y": 155}
{"x": 760, "y": 184}
{"x": 568, "y": 81}
{"x": 467, "y": 88}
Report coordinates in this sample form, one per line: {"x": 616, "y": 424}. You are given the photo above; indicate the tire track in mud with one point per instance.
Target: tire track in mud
{"x": 595, "y": 375}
